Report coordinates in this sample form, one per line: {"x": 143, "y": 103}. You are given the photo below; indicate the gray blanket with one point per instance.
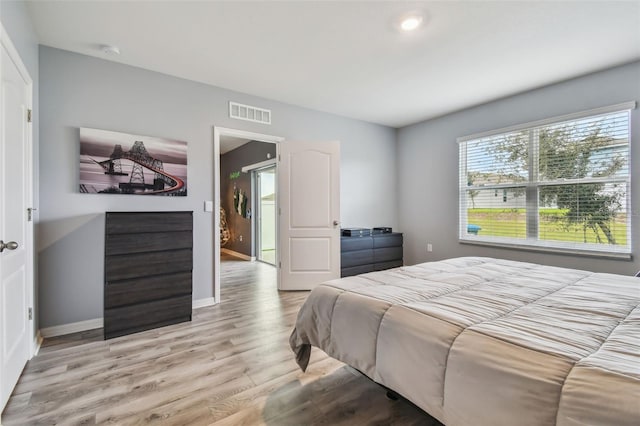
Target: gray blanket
{"x": 479, "y": 341}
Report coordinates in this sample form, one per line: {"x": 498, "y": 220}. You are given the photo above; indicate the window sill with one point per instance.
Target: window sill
{"x": 548, "y": 249}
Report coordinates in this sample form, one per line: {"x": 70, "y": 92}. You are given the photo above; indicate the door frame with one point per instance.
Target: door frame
{"x": 13, "y": 54}
{"x": 217, "y": 133}
{"x": 256, "y": 216}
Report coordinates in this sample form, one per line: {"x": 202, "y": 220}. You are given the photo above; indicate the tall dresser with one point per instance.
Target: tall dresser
{"x": 377, "y": 252}
{"x": 148, "y": 270}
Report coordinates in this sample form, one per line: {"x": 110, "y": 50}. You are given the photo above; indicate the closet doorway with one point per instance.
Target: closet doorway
{"x": 265, "y": 214}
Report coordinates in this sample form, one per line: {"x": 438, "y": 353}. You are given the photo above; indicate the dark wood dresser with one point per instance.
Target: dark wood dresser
{"x": 147, "y": 270}
{"x": 359, "y": 255}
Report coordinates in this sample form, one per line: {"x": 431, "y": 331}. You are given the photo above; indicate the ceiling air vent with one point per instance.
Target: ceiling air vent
{"x": 249, "y": 113}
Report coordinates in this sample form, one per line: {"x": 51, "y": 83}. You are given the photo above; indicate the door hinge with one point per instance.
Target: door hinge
{"x": 279, "y": 211}
{"x": 28, "y": 116}
{"x": 279, "y": 157}
{"x": 30, "y": 211}
{"x": 30, "y": 313}
{"x": 279, "y": 264}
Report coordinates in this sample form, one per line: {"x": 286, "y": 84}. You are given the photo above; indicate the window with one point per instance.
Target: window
{"x": 564, "y": 184}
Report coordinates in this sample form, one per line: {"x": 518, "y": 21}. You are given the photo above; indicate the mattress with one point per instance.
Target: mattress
{"x": 481, "y": 341}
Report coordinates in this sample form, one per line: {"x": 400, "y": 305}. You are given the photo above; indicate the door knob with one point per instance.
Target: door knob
{"x": 336, "y": 223}
{"x": 11, "y": 245}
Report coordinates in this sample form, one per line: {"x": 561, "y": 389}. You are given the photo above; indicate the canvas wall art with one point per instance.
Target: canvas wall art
{"x": 123, "y": 163}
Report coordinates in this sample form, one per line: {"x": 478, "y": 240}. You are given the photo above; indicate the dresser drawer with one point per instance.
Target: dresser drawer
{"x": 355, "y": 243}
{"x": 355, "y": 258}
{"x": 387, "y": 240}
{"x": 127, "y": 266}
{"x": 386, "y": 254}
{"x": 144, "y": 316}
{"x": 146, "y": 289}
{"x": 143, "y": 222}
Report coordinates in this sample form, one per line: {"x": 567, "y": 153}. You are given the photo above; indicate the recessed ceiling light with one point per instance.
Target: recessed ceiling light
{"x": 410, "y": 23}
{"x": 109, "y": 49}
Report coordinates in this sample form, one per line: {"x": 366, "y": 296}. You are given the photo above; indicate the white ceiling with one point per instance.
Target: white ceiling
{"x": 346, "y": 57}
{"x": 229, "y": 143}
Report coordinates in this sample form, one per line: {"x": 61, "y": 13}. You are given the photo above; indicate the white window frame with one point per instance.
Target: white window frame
{"x": 532, "y": 242}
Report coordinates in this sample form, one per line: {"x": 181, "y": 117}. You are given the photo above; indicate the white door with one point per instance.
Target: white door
{"x": 309, "y": 201}
{"x": 15, "y": 230}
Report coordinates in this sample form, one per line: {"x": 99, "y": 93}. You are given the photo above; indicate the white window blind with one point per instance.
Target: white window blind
{"x": 560, "y": 184}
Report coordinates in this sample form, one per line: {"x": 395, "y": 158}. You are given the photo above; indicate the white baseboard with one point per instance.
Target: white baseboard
{"x": 201, "y": 303}
{"x": 236, "y": 254}
{"x": 75, "y": 327}
{"x": 37, "y": 342}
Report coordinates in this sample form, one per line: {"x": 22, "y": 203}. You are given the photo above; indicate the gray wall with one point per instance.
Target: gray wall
{"x": 428, "y": 166}
{"x": 233, "y": 161}
{"x": 17, "y": 23}
{"x": 81, "y": 91}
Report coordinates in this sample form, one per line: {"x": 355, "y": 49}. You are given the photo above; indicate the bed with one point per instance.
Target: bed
{"x": 481, "y": 341}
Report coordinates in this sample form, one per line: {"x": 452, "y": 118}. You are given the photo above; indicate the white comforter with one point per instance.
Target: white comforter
{"x": 479, "y": 341}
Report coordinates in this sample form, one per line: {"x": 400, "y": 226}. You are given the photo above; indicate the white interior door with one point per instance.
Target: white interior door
{"x": 309, "y": 202}
{"x": 15, "y": 231}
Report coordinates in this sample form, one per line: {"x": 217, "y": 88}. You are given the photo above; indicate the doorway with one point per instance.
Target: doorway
{"x": 265, "y": 214}
{"x": 240, "y": 214}
{"x": 307, "y": 206}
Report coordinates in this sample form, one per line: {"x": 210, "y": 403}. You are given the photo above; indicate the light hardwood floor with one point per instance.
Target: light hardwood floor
{"x": 231, "y": 365}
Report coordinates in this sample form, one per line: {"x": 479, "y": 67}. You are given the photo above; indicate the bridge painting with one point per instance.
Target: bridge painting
{"x": 122, "y": 163}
